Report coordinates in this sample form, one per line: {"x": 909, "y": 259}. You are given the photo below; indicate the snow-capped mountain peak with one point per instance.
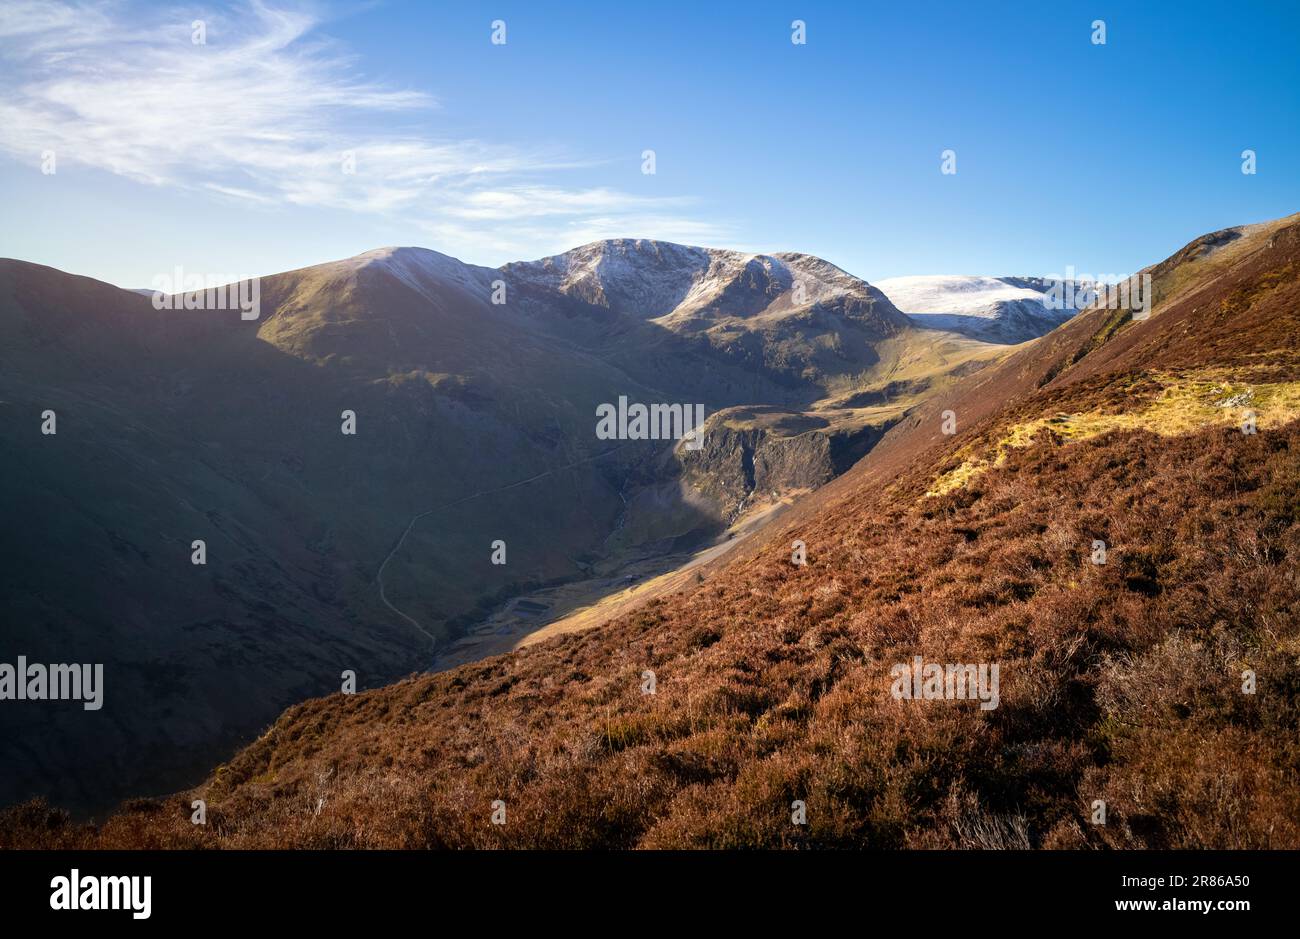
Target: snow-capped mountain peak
{"x": 991, "y": 309}
{"x": 661, "y": 280}
{"x": 952, "y": 293}
{"x": 423, "y": 269}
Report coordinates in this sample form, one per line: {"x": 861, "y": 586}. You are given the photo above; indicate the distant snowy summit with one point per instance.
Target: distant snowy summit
{"x": 676, "y": 283}
{"x": 696, "y": 291}
{"x": 991, "y": 309}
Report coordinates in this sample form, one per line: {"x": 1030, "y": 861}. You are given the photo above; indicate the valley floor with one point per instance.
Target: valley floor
{"x": 587, "y": 604}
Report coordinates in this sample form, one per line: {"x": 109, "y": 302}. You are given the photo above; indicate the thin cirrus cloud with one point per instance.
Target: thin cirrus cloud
{"x": 267, "y": 112}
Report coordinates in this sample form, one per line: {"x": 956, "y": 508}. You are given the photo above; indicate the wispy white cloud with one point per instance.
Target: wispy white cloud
{"x": 270, "y": 113}
{"x": 533, "y": 201}
{"x": 46, "y": 25}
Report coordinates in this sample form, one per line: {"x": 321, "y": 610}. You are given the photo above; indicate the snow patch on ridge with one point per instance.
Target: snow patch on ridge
{"x": 425, "y": 271}
{"x": 952, "y": 294}
{"x": 989, "y": 309}
{"x": 660, "y": 280}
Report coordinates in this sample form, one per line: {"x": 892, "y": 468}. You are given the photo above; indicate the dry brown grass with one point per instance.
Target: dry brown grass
{"x": 1119, "y": 682}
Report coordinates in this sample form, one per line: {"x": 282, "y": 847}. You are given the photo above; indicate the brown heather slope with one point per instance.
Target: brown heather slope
{"x": 1120, "y": 682}
{"x": 330, "y": 552}
{"x": 1198, "y": 319}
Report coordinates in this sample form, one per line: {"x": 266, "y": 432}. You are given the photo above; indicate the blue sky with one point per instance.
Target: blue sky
{"x": 228, "y": 157}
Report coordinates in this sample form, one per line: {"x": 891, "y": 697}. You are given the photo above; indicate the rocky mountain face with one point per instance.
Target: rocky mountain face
{"x": 1160, "y": 678}
{"x": 753, "y": 452}
{"x": 793, "y": 321}
{"x": 328, "y": 552}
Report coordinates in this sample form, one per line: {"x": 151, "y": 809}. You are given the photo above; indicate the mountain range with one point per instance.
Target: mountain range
{"x": 949, "y": 494}
{"x": 328, "y": 552}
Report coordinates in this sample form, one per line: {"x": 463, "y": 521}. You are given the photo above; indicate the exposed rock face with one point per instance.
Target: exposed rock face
{"x": 752, "y": 454}
{"x": 789, "y": 319}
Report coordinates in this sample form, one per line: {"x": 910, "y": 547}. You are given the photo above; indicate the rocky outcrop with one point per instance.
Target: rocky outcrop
{"x": 754, "y": 454}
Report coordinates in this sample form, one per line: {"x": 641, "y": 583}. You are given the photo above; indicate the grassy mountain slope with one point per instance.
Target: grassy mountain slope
{"x": 1120, "y": 682}
{"x": 475, "y": 424}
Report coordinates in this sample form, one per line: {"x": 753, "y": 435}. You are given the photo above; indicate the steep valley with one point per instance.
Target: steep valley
{"x": 370, "y": 552}
{"x": 1172, "y": 440}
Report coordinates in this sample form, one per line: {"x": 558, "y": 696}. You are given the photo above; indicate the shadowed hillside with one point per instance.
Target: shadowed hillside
{"x": 1121, "y": 682}
{"x": 370, "y": 553}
